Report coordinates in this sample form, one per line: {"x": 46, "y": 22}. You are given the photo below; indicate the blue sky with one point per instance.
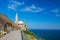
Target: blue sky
{"x": 36, "y": 14}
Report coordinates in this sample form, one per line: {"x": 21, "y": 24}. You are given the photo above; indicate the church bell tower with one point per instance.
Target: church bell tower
{"x": 16, "y": 19}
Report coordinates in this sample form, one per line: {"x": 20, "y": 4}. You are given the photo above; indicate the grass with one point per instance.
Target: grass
{"x": 28, "y": 32}
{"x": 0, "y": 35}
{"x": 29, "y": 35}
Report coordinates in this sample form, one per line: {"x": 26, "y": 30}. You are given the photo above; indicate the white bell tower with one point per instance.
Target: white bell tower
{"x": 16, "y": 19}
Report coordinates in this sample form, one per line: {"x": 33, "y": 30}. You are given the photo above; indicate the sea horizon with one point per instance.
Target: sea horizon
{"x": 46, "y": 34}
{"x": 45, "y": 29}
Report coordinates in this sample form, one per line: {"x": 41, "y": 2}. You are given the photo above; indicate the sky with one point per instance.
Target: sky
{"x": 36, "y": 14}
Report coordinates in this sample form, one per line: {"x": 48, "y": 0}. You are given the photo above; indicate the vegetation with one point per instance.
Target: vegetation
{"x": 28, "y": 32}
{"x": 0, "y": 35}
{"x": 30, "y": 35}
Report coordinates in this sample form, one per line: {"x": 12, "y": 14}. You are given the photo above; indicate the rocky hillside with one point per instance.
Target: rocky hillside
{"x": 4, "y": 19}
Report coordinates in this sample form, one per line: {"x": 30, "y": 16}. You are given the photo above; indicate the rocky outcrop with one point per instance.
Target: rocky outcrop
{"x": 5, "y": 20}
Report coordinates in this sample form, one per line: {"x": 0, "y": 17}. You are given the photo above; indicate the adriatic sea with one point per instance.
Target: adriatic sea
{"x": 46, "y": 34}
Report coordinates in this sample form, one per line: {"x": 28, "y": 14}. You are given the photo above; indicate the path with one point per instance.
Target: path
{"x": 14, "y": 35}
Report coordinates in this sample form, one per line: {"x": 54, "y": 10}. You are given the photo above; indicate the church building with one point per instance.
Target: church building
{"x": 20, "y": 23}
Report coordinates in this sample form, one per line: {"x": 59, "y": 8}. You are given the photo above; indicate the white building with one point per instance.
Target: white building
{"x": 20, "y": 23}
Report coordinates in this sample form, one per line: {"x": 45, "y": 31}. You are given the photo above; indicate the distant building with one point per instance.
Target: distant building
{"x": 20, "y": 23}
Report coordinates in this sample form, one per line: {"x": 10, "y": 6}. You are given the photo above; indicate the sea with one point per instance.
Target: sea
{"x": 46, "y": 34}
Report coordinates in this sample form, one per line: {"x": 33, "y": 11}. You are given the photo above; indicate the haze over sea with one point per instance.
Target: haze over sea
{"x": 46, "y": 34}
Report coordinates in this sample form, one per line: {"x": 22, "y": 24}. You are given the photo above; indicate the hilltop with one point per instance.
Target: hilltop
{"x": 7, "y": 25}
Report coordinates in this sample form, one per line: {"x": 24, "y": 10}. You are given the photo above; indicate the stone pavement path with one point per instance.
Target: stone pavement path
{"x": 14, "y": 35}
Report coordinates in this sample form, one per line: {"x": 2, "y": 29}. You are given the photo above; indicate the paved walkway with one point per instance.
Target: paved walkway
{"x": 14, "y": 35}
